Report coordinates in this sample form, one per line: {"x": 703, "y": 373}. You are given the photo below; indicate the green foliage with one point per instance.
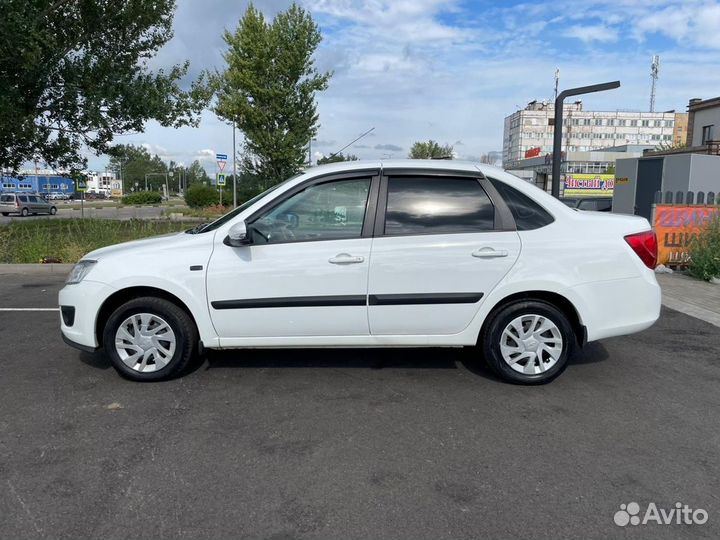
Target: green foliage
{"x": 200, "y": 196}
{"x": 705, "y": 252}
{"x": 143, "y": 197}
{"x": 136, "y": 162}
{"x": 196, "y": 173}
{"x": 337, "y": 158}
{"x": 75, "y": 73}
{"x": 430, "y": 150}
{"x": 70, "y": 239}
{"x": 268, "y": 88}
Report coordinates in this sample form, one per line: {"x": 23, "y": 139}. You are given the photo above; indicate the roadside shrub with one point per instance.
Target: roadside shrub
{"x": 143, "y": 197}
{"x": 201, "y": 196}
{"x": 705, "y": 252}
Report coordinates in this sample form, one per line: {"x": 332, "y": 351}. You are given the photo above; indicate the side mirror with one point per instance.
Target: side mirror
{"x": 238, "y": 235}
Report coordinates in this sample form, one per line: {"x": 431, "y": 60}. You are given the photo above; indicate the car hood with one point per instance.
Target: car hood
{"x": 154, "y": 243}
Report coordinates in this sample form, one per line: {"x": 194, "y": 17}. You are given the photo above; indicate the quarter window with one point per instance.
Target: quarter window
{"x": 329, "y": 211}
{"x": 528, "y": 214}
{"x": 437, "y": 205}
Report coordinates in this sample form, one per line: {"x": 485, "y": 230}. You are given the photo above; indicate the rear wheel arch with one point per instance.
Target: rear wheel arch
{"x": 122, "y": 296}
{"x": 552, "y": 298}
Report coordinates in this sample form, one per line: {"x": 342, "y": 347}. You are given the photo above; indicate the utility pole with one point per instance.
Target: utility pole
{"x": 557, "y": 133}
{"x": 557, "y": 81}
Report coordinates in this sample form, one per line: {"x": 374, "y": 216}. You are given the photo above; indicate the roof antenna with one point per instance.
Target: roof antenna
{"x": 352, "y": 142}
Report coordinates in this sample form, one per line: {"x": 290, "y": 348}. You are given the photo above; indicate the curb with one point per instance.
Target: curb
{"x": 35, "y": 269}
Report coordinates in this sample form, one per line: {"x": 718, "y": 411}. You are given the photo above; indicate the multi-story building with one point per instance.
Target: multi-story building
{"x": 528, "y": 133}
{"x": 104, "y": 182}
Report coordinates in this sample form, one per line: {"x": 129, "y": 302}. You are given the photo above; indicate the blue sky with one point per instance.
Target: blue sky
{"x": 452, "y": 70}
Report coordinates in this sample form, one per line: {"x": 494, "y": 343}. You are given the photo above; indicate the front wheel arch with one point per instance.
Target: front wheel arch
{"x": 557, "y": 300}
{"x": 122, "y": 296}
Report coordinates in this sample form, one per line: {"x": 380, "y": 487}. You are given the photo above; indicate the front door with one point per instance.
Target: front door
{"x": 437, "y": 254}
{"x": 305, "y": 273}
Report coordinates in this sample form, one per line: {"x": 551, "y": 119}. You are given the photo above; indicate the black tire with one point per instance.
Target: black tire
{"x": 24, "y": 212}
{"x": 491, "y": 336}
{"x": 53, "y": 211}
{"x": 179, "y": 321}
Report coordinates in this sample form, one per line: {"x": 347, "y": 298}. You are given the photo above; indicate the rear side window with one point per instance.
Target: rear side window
{"x": 23, "y": 198}
{"x": 528, "y": 214}
{"x": 437, "y": 205}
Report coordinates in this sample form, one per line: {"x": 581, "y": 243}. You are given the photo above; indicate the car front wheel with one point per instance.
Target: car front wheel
{"x": 53, "y": 211}
{"x": 528, "y": 342}
{"x": 24, "y": 212}
{"x": 149, "y": 339}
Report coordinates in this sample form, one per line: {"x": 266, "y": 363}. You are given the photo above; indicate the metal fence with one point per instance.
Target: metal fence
{"x": 700, "y": 198}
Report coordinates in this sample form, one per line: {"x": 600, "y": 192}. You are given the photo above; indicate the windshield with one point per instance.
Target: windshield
{"x": 205, "y": 227}
{"x": 572, "y": 203}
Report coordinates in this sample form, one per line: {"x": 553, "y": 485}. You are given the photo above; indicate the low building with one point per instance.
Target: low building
{"x": 703, "y": 122}
{"x": 585, "y": 173}
{"x": 104, "y": 182}
{"x": 38, "y": 183}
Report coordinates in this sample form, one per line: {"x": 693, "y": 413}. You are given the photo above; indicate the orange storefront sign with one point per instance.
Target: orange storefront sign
{"x": 677, "y": 227}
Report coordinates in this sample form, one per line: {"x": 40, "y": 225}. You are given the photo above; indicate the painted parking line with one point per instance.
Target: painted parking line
{"x": 30, "y": 309}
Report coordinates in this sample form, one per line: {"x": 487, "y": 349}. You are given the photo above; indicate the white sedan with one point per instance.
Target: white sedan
{"x": 398, "y": 253}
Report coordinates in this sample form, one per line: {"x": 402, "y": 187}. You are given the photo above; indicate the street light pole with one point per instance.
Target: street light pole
{"x": 234, "y": 170}
{"x": 557, "y": 135}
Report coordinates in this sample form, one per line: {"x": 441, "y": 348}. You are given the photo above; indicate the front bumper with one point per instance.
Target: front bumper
{"x": 86, "y": 297}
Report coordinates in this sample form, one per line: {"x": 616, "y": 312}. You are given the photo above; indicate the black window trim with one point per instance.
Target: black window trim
{"x": 503, "y": 218}
{"x": 372, "y": 173}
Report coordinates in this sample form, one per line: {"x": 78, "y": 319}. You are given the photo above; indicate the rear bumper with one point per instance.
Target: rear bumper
{"x": 619, "y": 307}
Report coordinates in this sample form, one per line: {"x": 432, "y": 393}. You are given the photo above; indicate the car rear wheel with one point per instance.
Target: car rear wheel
{"x": 149, "y": 339}
{"x": 53, "y": 211}
{"x": 528, "y": 342}
{"x": 24, "y": 212}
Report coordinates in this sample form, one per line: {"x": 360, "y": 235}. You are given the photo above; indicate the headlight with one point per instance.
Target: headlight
{"x": 79, "y": 271}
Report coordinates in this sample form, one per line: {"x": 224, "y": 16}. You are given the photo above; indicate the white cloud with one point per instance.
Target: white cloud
{"x": 592, "y": 33}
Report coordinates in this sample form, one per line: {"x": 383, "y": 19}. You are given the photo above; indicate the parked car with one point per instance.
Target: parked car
{"x": 58, "y": 196}
{"x": 373, "y": 254}
{"x": 597, "y": 204}
{"x": 25, "y": 204}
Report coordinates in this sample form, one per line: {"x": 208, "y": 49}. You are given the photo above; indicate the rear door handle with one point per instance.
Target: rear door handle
{"x": 489, "y": 253}
{"x": 346, "y": 258}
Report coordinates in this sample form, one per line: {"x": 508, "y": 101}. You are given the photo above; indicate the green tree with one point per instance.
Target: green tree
{"x": 196, "y": 174}
{"x": 136, "y": 162}
{"x": 73, "y": 73}
{"x": 430, "y": 150}
{"x": 268, "y": 88}
{"x": 337, "y": 158}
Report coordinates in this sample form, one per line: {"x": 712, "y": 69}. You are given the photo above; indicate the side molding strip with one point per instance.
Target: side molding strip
{"x": 292, "y": 301}
{"x": 416, "y": 299}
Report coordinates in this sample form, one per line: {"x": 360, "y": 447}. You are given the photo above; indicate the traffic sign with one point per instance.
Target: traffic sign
{"x": 221, "y": 157}
{"x": 81, "y": 186}
{"x": 220, "y": 179}
{"x": 221, "y": 165}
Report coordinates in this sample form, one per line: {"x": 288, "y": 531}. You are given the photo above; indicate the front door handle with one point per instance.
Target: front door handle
{"x": 489, "y": 253}
{"x": 346, "y": 258}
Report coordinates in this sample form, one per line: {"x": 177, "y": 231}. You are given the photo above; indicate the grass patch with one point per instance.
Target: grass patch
{"x": 69, "y": 239}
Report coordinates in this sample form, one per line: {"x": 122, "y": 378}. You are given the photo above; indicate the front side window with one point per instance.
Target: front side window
{"x": 437, "y": 205}
{"x": 329, "y": 211}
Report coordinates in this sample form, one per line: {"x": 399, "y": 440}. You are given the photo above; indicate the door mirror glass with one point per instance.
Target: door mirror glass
{"x": 237, "y": 235}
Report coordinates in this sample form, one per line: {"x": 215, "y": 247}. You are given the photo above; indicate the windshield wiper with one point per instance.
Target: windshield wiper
{"x": 197, "y": 229}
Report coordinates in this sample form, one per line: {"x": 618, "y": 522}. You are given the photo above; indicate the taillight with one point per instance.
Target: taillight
{"x": 646, "y": 247}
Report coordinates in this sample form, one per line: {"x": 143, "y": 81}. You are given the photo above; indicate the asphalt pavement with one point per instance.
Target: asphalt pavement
{"x": 353, "y": 444}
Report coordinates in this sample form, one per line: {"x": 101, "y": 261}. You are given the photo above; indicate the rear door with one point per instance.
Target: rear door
{"x": 440, "y": 247}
